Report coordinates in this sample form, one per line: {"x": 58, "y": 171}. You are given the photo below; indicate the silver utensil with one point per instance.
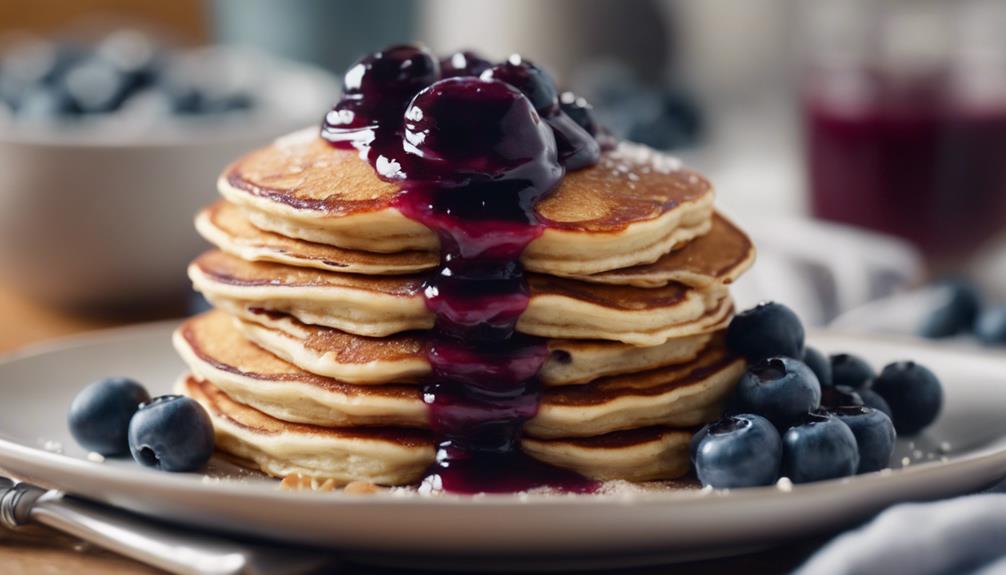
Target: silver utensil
{"x": 169, "y": 548}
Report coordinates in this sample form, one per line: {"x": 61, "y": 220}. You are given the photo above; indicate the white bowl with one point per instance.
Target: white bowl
{"x": 99, "y": 214}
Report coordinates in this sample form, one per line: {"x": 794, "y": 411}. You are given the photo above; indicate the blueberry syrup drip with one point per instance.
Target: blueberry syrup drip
{"x": 473, "y": 155}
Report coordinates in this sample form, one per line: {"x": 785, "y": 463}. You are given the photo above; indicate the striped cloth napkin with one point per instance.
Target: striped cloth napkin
{"x": 961, "y": 536}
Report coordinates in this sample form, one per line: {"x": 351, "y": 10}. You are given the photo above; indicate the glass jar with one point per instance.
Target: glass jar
{"x": 904, "y": 107}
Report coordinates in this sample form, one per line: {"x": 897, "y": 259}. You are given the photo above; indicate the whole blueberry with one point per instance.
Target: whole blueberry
{"x": 819, "y": 364}
{"x": 738, "y": 451}
{"x": 781, "y": 389}
{"x": 840, "y": 396}
{"x": 851, "y": 371}
{"x": 819, "y": 447}
{"x": 43, "y": 104}
{"x": 874, "y": 433}
{"x": 99, "y": 415}
{"x": 872, "y": 399}
{"x": 463, "y": 63}
{"x": 171, "y": 433}
{"x": 534, "y": 82}
{"x": 134, "y": 54}
{"x": 767, "y": 330}
{"x": 580, "y": 111}
{"x": 379, "y": 86}
{"x": 955, "y": 312}
{"x": 684, "y": 109}
{"x": 95, "y": 86}
{"x": 403, "y": 70}
{"x": 661, "y": 132}
{"x": 914, "y": 394}
{"x": 693, "y": 445}
{"x": 990, "y": 327}
{"x": 480, "y": 126}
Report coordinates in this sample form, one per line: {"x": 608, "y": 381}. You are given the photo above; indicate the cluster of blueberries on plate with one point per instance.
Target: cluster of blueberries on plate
{"x": 116, "y": 416}
{"x": 799, "y": 414}
{"x": 48, "y": 81}
{"x": 962, "y": 312}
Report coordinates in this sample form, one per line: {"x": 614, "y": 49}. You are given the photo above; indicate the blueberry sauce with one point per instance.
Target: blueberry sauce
{"x": 473, "y": 147}
{"x": 577, "y": 148}
{"x": 463, "y": 63}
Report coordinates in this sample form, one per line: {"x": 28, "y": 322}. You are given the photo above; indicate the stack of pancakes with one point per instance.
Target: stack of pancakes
{"x": 314, "y": 360}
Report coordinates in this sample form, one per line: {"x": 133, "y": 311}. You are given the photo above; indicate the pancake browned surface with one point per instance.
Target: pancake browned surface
{"x": 631, "y": 208}
{"x": 228, "y": 228}
{"x": 216, "y": 352}
{"x": 400, "y": 456}
{"x": 718, "y": 257}
{"x": 382, "y": 305}
{"x": 678, "y": 396}
{"x": 645, "y": 454}
{"x": 386, "y": 456}
{"x": 402, "y": 357}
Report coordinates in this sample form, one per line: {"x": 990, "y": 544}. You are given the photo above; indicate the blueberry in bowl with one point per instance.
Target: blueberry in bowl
{"x": 874, "y": 433}
{"x": 781, "y": 389}
{"x": 851, "y": 370}
{"x": 99, "y": 415}
{"x": 737, "y": 451}
{"x": 914, "y": 394}
{"x": 766, "y": 330}
{"x": 819, "y": 447}
{"x": 171, "y": 433}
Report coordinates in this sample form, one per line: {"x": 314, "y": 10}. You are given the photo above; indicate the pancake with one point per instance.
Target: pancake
{"x": 227, "y": 227}
{"x": 216, "y": 352}
{"x": 677, "y": 396}
{"x": 634, "y": 206}
{"x": 719, "y": 256}
{"x": 386, "y": 456}
{"x": 402, "y": 357}
{"x": 377, "y": 306}
{"x": 647, "y": 454}
{"x": 393, "y": 456}
{"x": 680, "y": 396}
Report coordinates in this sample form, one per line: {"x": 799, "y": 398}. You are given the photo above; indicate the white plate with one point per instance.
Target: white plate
{"x": 36, "y": 387}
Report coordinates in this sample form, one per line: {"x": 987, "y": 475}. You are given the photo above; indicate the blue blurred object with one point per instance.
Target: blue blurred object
{"x": 330, "y": 33}
{"x": 48, "y": 81}
{"x": 660, "y": 116}
{"x": 955, "y": 313}
{"x": 991, "y": 326}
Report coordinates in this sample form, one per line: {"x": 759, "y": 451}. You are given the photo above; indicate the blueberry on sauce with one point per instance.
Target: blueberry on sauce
{"x": 473, "y": 147}
{"x": 579, "y": 111}
{"x": 463, "y": 63}
{"x": 376, "y": 90}
{"x": 577, "y": 148}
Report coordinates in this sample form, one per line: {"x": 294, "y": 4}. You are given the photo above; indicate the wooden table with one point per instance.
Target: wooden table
{"x": 39, "y": 551}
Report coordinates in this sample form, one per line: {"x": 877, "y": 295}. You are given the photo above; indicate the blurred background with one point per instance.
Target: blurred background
{"x": 861, "y": 142}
